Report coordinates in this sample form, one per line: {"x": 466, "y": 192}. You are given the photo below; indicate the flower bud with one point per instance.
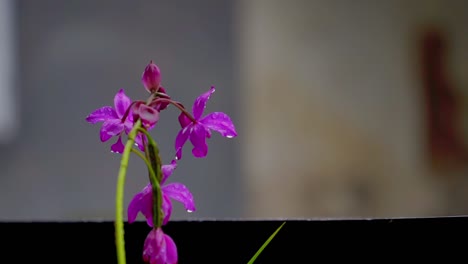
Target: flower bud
{"x": 151, "y": 77}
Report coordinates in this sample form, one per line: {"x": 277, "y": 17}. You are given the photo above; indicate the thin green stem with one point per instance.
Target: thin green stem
{"x": 119, "y": 197}
{"x": 148, "y": 164}
{"x": 152, "y": 152}
{"x": 156, "y": 188}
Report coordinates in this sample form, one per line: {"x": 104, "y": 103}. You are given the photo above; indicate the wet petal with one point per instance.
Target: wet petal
{"x": 198, "y": 139}
{"x": 139, "y": 141}
{"x": 154, "y": 249}
{"x": 149, "y": 116}
{"x": 181, "y": 138}
{"x": 102, "y": 114}
{"x": 180, "y": 193}
{"x": 171, "y": 250}
{"x": 200, "y": 103}
{"x": 111, "y": 128}
{"x": 118, "y": 146}
{"x": 121, "y": 102}
{"x": 167, "y": 170}
{"x": 221, "y": 123}
{"x": 166, "y": 208}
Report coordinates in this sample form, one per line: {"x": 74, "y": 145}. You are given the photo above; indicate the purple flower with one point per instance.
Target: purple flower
{"x": 199, "y": 130}
{"x": 143, "y": 201}
{"x": 151, "y": 77}
{"x": 112, "y": 121}
{"x": 159, "y": 248}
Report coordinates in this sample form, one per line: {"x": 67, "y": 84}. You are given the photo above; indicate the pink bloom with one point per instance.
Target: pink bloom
{"x": 199, "y": 130}
{"x": 159, "y": 248}
{"x": 143, "y": 201}
{"x": 151, "y": 77}
{"x": 112, "y": 121}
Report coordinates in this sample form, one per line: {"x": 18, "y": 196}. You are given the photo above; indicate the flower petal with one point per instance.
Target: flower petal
{"x": 111, "y": 128}
{"x": 102, "y": 114}
{"x": 134, "y": 207}
{"x": 184, "y": 120}
{"x": 149, "y": 116}
{"x": 167, "y": 170}
{"x": 180, "y": 193}
{"x": 200, "y": 103}
{"x": 118, "y": 146}
{"x": 121, "y": 102}
{"x": 221, "y": 123}
{"x": 128, "y": 125}
{"x": 142, "y": 202}
{"x": 103, "y": 134}
{"x": 139, "y": 141}
{"x": 166, "y": 208}
{"x": 171, "y": 250}
{"x": 181, "y": 138}
{"x": 198, "y": 139}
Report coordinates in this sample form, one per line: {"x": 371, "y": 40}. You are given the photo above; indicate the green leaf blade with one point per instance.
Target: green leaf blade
{"x": 252, "y": 260}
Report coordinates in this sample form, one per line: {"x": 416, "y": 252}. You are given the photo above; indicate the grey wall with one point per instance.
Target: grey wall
{"x": 73, "y": 56}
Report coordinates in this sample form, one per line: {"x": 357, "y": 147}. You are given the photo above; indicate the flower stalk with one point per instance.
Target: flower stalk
{"x": 154, "y": 165}
{"x": 119, "y": 196}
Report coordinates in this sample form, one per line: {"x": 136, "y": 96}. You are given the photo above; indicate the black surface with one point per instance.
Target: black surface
{"x": 300, "y": 241}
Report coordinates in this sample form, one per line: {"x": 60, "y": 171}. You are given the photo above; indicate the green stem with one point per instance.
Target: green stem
{"x": 148, "y": 164}
{"x": 152, "y": 152}
{"x": 156, "y": 188}
{"x": 119, "y": 197}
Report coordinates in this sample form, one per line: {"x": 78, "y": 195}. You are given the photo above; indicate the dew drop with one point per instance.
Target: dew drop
{"x": 229, "y": 136}
{"x": 189, "y": 211}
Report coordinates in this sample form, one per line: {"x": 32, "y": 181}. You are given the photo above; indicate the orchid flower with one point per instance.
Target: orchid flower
{"x": 143, "y": 201}
{"x": 198, "y": 128}
{"x": 113, "y": 125}
{"x": 159, "y": 248}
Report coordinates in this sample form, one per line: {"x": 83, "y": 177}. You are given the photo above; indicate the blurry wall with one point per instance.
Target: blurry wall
{"x": 334, "y": 108}
{"x": 327, "y": 96}
{"x": 73, "y": 57}
{"x": 8, "y": 103}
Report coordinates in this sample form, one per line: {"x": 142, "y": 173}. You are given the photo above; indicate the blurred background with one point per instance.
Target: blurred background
{"x": 343, "y": 109}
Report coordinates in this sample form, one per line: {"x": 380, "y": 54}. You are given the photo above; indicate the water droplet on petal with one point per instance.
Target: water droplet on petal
{"x": 189, "y": 211}
{"x": 229, "y": 136}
